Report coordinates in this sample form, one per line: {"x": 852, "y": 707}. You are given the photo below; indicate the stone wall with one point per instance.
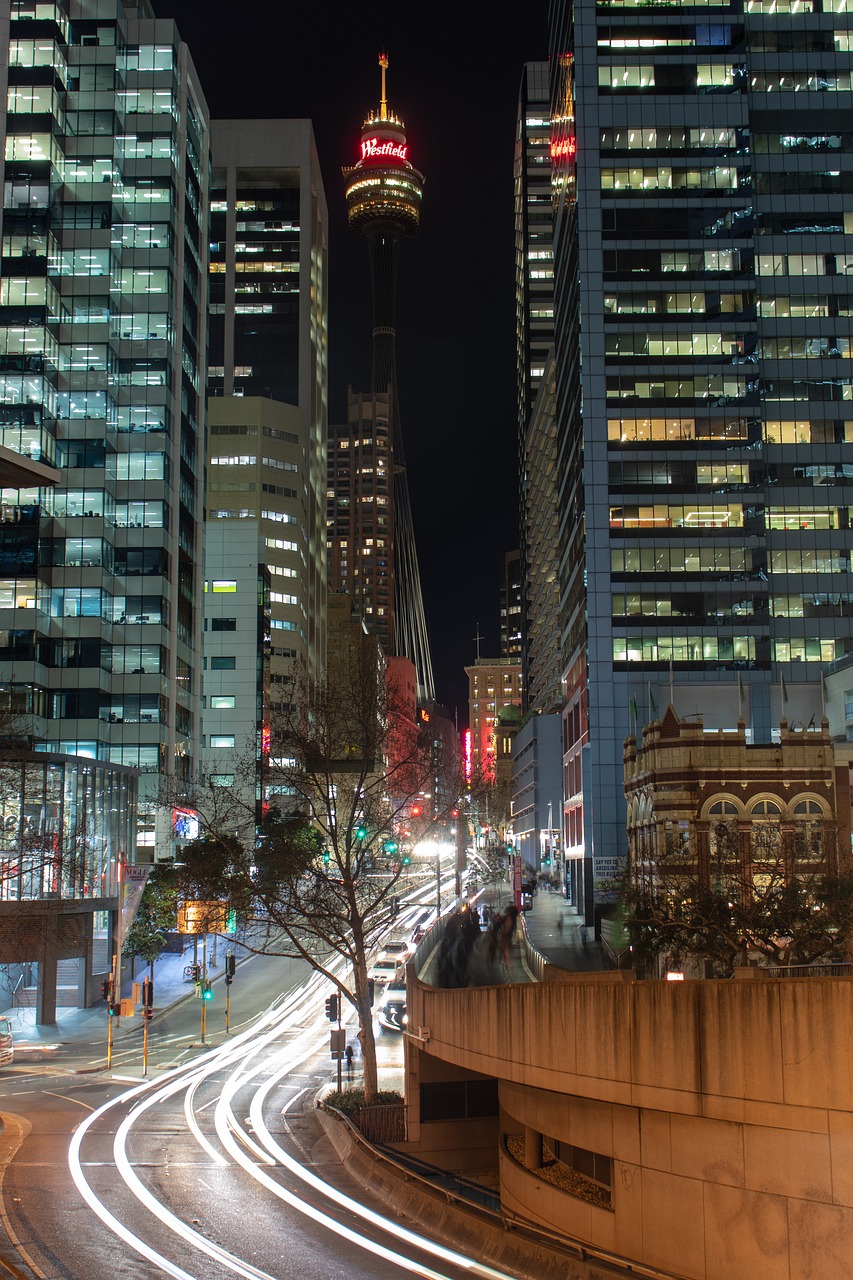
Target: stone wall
{"x": 725, "y": 1107}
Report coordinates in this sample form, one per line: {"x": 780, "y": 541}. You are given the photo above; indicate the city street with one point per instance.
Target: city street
{"x": 214, "y": 1163}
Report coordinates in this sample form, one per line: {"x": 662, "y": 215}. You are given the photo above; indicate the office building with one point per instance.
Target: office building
{"x": 237, "y": 649}
{"x": 511, "y": 591}
{"x": 361, "y": 511}
{"x": 494, "y": 699}
{"x": 534, "y": 327}
{"x": 383, "y": 199}
{"x": 268, "y": 376}
{"x": 258, "y": 475}
{"x": 702, "y": 238}
{"x": 541, "y": 659}
{"x": 534, "y": 249}
{"x": 103, "y": 319}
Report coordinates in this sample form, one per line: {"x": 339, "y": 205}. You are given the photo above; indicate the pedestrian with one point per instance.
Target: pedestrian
{"x": 501, "y": 931}
{"x": 348, "y": 1056}
{"x": 560, "y": 926}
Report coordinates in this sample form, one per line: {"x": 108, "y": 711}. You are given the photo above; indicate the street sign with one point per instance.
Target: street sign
{"x": 338, "y": 1042}
{"x": 203, "y": 917}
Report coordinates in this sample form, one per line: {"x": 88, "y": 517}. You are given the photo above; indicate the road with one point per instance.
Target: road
{"x": 213, "y": 1166}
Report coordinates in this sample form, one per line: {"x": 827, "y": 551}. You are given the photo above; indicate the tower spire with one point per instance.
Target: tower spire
{"x": 383, "y": 105}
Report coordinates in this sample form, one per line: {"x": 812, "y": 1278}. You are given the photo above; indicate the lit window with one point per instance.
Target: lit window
{"x": 222, "y": 701}
{"x": 222, "y": 739}
{"x": 224, "y": 584}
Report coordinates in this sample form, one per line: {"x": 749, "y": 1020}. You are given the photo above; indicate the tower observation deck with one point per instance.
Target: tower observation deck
{"x": 383, "y": 200}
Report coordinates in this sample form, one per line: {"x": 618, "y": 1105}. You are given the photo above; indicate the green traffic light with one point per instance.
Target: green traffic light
{"x": 361, "y": 833}
{"x": 390, "y": 846}
{"x": 406, "y": 859}
{"x": 207, "y": 993}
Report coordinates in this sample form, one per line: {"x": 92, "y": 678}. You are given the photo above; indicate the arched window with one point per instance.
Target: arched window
{"x": 811, "y": 832}
{"x": 723, "y": 807}
{"x": 766, "y": 832}
{"x": 808, "y": 806}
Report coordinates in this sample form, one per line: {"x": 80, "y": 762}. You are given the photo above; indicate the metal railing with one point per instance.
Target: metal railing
{"x": 832, "y": 969}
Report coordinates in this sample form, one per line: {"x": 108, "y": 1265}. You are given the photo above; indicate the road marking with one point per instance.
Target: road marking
{"x": 65, "y": 1098}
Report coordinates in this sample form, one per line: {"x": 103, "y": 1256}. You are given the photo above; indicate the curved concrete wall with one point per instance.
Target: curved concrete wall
{"x": 726, "y": 1107}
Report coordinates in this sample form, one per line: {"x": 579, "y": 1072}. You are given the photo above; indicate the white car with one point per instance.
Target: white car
{"x": 398, "y": 949}
{"x": 383, "y": 969}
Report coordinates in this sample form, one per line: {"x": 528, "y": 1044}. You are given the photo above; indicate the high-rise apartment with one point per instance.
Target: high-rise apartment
{"x": 268, "y": 377}
{"x": 103, "y": 305}
{"x": 703, "y": 238}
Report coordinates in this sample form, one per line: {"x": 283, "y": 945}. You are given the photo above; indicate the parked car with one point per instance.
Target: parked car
{"x": 7, "y": 1045}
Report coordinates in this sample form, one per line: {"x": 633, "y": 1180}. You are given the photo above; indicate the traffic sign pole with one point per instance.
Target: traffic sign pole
{"x": 147, "y": 1001}
{"x": 204, "y": 981}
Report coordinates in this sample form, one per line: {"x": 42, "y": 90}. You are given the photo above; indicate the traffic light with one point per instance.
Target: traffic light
{"x": 148, "y": 998}
{"x": 371, "y": 987}
{"x": 390, "y": 846}
{"x": 230, "y": 967}
{"x": 510, "y": 848}
{"x": 406, "y": 859}
{"x": 326, "y": 855}
{"x": 332, "y": 1008}
{"x": 361, "y": 833}
{"x": 206, "y": 991}
{"x": 105, "y": 988}
{"x": 195, "y": 972}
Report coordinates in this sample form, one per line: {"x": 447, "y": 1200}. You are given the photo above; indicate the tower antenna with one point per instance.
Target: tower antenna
{"x": 383, "y": 105}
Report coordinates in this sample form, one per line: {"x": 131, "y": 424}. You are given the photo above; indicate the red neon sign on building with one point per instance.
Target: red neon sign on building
{"x": 372, "y": 148}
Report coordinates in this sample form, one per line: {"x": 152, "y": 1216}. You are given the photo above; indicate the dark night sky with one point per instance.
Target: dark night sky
{"x": 454, "y": 79}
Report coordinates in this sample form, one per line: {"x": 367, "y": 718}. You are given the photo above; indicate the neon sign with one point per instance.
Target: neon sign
{"x": 563, "y": 147}
{"x": 372, "y": 147}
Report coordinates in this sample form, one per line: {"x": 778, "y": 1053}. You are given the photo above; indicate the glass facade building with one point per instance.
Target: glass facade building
{"x": 704, "y": 235}
{"x": 103, "y": 303}
{"x": 64, "y": 823}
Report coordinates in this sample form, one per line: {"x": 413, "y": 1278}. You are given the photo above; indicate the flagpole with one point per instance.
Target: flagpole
{"x": 671, "y": 685}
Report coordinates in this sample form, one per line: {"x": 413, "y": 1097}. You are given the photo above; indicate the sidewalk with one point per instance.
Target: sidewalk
{"x": 557, "y": 931}
{"x": 75, "y": 1026}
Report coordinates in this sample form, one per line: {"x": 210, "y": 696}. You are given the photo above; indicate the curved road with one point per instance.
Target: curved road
{"x": 213, "y": 1167}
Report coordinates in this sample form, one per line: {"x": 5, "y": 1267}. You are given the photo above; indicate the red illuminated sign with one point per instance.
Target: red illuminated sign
{"x": 372, "y": 147}
{"x": 563, "y": 147}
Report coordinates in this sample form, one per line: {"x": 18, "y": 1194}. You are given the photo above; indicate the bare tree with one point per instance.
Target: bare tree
{"x": 768, "y": 911}
{"x": 337, "y": 844}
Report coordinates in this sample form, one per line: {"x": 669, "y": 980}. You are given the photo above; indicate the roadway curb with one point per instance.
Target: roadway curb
{"x": 478, "y": 1233}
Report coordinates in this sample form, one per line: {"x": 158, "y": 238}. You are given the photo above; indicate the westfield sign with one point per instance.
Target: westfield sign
{"x": 372, "y": 147}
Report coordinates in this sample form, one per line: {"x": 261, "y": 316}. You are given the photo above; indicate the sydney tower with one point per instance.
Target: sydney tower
{"x": 383, "y": 194}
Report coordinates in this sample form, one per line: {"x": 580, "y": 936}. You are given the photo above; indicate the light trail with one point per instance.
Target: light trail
{"x": 253, "y": 1153}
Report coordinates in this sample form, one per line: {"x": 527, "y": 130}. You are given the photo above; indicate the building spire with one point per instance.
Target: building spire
{"x": 383, "y": 105}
